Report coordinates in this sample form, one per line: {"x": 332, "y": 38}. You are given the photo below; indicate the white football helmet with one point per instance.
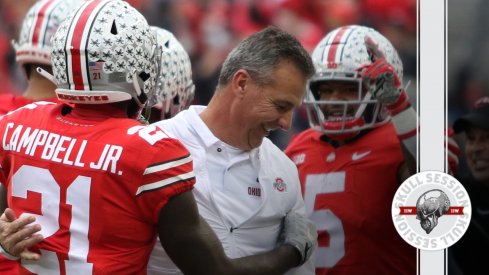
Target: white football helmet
{"x": 39, "y": 25}
{"x": 342, "y": 55}
{"x": 175, "y": 88}
{"x": 105, "y": 52}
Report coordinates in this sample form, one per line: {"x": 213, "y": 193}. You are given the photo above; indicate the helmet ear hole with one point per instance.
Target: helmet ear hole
{"x": 144, "y": 76}
{"x": 176, "y": 100}
{"x": 113, "y": 29}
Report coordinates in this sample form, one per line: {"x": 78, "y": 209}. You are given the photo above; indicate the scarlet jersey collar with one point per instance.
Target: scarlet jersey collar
{"x": 96, "y": 112}
{"x": 324, "y": 138}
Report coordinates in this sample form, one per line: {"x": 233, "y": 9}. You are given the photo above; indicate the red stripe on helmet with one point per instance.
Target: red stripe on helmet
{"x": 76, "y": 41}
{"x": 41, "y": 14}
{"x": 334, "y": 47}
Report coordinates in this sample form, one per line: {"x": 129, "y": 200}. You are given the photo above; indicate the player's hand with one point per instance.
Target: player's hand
{"x": 18, "y": 235}
{"x": 382, "y": 80}
{"x": 299, "y": 232}
{"x": 453, "y": 151}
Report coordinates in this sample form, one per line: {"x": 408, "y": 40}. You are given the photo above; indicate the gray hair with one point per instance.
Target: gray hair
{"x": 262, "y": 52}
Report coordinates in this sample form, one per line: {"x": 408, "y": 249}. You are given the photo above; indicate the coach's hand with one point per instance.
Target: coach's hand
{"x": 299, "y": 232}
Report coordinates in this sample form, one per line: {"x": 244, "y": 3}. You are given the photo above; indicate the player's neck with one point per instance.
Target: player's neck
{"x": 39, "y": 88}
{"x": 98, "y": 111}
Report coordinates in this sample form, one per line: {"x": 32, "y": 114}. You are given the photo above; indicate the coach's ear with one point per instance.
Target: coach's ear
{"x": 240, "y": 82}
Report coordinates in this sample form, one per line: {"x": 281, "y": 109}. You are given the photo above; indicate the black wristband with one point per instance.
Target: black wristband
{"x": 7, "y": 255}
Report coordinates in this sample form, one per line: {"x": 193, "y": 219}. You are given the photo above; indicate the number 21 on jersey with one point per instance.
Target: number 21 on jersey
{"x": 40, "y": 180}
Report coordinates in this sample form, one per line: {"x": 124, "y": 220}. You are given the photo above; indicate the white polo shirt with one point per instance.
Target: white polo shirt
{"x": 243, "y": 195}
{"x": 234, "y": 182}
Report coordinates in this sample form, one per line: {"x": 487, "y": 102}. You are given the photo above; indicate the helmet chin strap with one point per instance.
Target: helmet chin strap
{"x": 45, "y": 74}
{"x": 319, "y": 112}
{"x": 138, "y": 90}
{"x": 407, "y": 85}
{"x": 363, "y": 106}
{"x": 167, "y": 106}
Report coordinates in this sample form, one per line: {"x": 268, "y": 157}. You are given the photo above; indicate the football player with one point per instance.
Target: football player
{"x": 175, "y": 89}
{"x": 99, "y": 183}
{"x": 359, "y": 149}
{"x": 33, "y": 50}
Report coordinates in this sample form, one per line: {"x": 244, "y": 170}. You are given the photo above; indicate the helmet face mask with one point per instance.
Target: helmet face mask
{"x": 104, "y": 53}
{"x": 341, "y": 116}
{"x": 340, "y": 57}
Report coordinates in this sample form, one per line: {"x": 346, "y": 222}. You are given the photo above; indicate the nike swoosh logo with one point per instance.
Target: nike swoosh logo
{"x": 357, "y": 156}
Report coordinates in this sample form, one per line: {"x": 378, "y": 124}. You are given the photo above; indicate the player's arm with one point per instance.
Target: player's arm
{"x": 385, "y": 85}
{"x": 195, "y": 249}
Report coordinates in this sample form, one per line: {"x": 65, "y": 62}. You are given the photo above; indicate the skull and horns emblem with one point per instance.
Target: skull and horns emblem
{"x": 430, "y": 206}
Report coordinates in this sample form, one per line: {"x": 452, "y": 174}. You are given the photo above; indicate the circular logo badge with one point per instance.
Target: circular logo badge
{"x": 431, "y": 210}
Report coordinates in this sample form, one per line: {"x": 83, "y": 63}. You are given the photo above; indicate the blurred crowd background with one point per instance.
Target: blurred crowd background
{"x": 468, "y": 55}
{"x": 467, "y": 60}
{"x": 209, "y": 29}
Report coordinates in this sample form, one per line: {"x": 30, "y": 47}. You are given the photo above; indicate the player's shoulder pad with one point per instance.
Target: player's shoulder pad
{"x": 302, "y": 137}
{"x": 30, "y": 106}
{"x": 150, "y": 133}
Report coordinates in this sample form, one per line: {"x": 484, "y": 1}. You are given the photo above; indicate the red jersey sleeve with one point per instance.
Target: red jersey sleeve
{"x": 169, "y": 173}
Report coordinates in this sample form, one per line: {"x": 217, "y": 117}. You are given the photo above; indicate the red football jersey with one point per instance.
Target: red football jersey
{"x": 10, "y": 102}
{"x": 96, "y": 186}
{"x": 348, "y": 193}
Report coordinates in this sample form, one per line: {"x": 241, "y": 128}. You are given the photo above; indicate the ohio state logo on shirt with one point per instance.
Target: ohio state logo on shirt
{"x": 280, "y": 185}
